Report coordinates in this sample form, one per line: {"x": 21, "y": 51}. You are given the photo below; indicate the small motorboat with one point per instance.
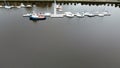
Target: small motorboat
{"x": 47, "y": 14}
{"x": 7, "y": 7}
{"x": 18, "y": 6}
{"x": 59, "y": 8}
{"x": 101, "y": 15}
{"x": 88, "y": 14}
{"x": 69, "y": 14}
{"x": 22, "y": 5}
{"x": 35, "y": 16}
{"x": 91, "y": 15}
{"x": 79, "y": 15}
{"x": 1, "y": 6}
{"x": 106, "y": 13}
{"x": 57, "y": 15}
{"x": 34, "y": 5}
{"x": 28, "y": 6}
{"x": 12, "y": 6}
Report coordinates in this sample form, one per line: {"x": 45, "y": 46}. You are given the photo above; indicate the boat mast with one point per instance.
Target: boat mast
{"x": 55, "y": 12}
{"x": 5, "y": 2}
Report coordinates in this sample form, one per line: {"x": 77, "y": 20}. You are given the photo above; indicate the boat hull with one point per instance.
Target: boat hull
{"x": 33, "y": 18}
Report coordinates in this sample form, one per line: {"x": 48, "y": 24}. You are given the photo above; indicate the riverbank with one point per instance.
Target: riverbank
{"x": 66, "y": 1}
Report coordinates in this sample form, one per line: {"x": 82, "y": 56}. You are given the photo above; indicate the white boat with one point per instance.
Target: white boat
{"x": 69, "y": 14}
{"x": 101, "y": 15}
{"x": 59, "y": 8}
{"x": 47, "y": 14}
{"x": 1, "y": 6}
{"x": 18, "y": 6}
{"x": 91, "y": 15}
{"x": 55, "y": 15}
{"x": 88, "y": 14}
{"x": 22, "y": 5}
{"x": 28, "y": 6}
{"x": 79, "y": 15}
{"x": 106, "y": 13}
{"x": 34, "y": 5}
{"x": 7, "y": 7}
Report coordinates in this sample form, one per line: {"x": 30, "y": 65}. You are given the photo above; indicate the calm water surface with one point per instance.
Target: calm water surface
{"x": 60, "y": 42}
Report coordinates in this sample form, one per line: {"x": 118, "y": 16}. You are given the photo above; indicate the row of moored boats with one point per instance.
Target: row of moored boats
{"x": 42, "y": 16}
{"x": 20, "y": 6}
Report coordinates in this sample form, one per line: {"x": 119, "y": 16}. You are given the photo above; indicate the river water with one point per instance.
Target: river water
{"x": 90, "y": 42}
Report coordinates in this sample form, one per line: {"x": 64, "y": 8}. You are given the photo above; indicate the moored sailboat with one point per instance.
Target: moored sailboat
{"x": 55, "y": 15}
{"x": 6, "y": 5}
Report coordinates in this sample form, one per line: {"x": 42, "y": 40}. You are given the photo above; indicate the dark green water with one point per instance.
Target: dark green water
{"x": 60, "y": 42}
